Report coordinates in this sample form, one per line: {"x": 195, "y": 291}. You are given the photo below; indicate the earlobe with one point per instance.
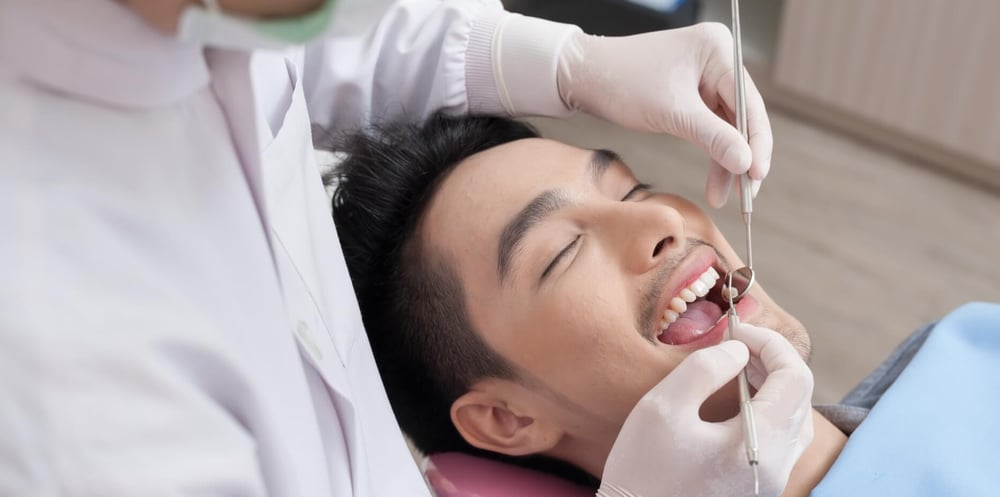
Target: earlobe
{"x": 489, "y": 422}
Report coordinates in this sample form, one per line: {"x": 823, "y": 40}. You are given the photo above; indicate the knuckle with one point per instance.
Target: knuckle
{"x": 765, "y": 163}
{"x": 652, "y": 408}
{"x": 716, "y": 32}
{"x": 800, "y": 366}
{"x": 704, "y": 362}
{"x": 808, "y": 431}
{"x": 719, "y": 145}
{"x": 809, "y": 381}
{"x": 803, "y": 376}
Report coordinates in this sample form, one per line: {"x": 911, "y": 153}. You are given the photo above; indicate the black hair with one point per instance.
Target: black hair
{"x": 412, "y": 301}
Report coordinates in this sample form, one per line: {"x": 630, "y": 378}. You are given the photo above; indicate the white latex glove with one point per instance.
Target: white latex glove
{"x": 665, "y": 449}
{"x": 678, "y": 81}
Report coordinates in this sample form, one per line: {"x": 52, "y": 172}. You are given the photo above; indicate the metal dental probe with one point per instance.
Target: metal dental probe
{"x": 746, "y": 208}
{"x": 733, "y": 292}
{"x": 746, "y": 187}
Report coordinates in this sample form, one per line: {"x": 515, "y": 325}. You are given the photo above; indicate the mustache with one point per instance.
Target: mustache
{"x": 652, "y": 292}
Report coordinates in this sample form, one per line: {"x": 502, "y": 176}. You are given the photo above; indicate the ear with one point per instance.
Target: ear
{"x": 493, "y": 418}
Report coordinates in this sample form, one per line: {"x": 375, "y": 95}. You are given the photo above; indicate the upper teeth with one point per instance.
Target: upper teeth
{"x": 698, "y": 288}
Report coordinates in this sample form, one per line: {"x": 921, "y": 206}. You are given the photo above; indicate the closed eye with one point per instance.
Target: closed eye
{"x": 562, "y": 253}
{"x": 636, "y": 190}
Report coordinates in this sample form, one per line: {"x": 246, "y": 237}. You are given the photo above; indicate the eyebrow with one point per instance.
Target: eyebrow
{"x": 542, "y": 206}
{"x": 600, "y": 160}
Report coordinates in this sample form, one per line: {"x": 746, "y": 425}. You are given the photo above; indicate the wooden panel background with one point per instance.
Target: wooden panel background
{"x": 927, "y": 70}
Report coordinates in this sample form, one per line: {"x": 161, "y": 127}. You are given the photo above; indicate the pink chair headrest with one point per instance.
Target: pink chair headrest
{"x": 453, "y": 474}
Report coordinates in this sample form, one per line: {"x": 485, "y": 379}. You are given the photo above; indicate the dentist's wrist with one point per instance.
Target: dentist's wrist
{"x": 521, "y": 55}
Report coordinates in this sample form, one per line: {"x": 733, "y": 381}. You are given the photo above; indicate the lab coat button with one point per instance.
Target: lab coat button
{"x": 305, "y": 336}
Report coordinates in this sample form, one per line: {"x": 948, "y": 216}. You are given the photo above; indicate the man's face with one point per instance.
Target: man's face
{"x": 571, "y": 271}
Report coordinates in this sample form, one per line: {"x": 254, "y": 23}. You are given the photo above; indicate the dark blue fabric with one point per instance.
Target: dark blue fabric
{"x": 871, "y": 389}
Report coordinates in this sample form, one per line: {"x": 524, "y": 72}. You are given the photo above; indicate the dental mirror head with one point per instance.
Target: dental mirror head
{"x": 738, "y": 283}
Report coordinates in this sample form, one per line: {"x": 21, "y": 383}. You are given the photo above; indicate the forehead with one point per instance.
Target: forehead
{"x": 522, "y": 168}
{"x": 484, "y": 192}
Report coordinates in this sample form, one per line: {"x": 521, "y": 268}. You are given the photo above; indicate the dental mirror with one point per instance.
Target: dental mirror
{"x": 738, "y": 283}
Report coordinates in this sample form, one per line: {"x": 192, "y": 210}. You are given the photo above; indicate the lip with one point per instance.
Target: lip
{"x": 687, "y": 271}
{"x": 745, "y": 310}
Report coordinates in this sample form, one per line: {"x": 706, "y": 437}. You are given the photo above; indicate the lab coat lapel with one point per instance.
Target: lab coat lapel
{"x": 231, "y": 84}
{"x": 319, "y": 299}
{"x": 275, "y": 177}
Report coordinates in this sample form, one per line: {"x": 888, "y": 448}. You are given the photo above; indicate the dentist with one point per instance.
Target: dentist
{"x": 175, "y": 313}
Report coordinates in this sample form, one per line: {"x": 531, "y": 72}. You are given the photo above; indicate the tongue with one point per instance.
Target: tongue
{"x": 699, "y": 317}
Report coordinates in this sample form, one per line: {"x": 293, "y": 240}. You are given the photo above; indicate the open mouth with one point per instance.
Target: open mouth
{"x": 695, "y": 310}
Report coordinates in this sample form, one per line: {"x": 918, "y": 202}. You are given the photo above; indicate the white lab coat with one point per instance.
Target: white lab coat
{"x": 176, "y": 316}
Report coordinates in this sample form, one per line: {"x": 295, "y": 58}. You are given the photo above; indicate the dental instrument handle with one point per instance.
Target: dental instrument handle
{"x": 750, "y": 444}
{"x": 745, "y": 193}
{"x": 741, "y": 91}
{"x": 746, "y": 208}
{"x": 746, "y": 186}
{"x": 750, "y": 428}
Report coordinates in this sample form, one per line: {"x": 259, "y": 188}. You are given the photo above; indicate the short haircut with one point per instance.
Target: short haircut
{"x": 412, "y": 301}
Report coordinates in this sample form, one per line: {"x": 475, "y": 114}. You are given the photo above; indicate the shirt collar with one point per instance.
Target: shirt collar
{"x": 99, "y": 50}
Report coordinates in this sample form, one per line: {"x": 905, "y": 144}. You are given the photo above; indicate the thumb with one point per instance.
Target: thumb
{"x": 724, "y": 144}
{"x": 701, "y": 374}
{"x": 718, "y": 185}
{"x": 789, "y": 382}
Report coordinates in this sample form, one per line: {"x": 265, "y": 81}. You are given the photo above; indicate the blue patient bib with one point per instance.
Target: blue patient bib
{"x": 936, "y": 430}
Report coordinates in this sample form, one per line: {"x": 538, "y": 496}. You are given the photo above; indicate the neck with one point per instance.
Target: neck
{"x": 817, "y": 459}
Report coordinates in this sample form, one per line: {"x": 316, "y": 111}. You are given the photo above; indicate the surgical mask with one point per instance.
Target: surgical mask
{"x": 209, "y": 25}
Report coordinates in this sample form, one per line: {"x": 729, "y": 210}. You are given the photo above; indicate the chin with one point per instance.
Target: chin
{"x": 791, "y": 329}
{"x": 771, "y": 315}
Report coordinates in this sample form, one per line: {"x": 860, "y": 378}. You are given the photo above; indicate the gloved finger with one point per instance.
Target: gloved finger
{"x": 719, "y": 139}
{"x": 756, "y": 374}
{"x": 758, "y": 124}
{"x": 759, "y": 132}
{"x": 789, "y": 382}
{"x": 701, "y": 374}
{"x": 717, "y": 187}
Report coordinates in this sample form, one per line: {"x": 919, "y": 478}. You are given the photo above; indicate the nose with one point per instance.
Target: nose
{"x": 645, "y": 234}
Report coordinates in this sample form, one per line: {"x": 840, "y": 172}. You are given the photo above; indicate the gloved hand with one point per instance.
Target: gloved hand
{"x": 678, "y": 81}
{"x": 665, "y": 449}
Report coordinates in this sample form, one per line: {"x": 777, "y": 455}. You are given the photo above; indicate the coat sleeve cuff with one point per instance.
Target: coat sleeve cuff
{"x": 511, "y": 65}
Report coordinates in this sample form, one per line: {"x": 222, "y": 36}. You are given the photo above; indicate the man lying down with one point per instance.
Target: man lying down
{"x": 564, "y": 290}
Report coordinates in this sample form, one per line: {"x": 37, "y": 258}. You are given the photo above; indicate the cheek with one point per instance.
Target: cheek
{"x": 774, "y": 317}
{"x": 589, "y": 354}
{"x": 589, "y": 332}
{"x": 694, "y": 217}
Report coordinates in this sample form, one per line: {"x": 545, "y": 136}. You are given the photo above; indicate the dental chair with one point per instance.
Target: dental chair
{"x": 452, "y": 474}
